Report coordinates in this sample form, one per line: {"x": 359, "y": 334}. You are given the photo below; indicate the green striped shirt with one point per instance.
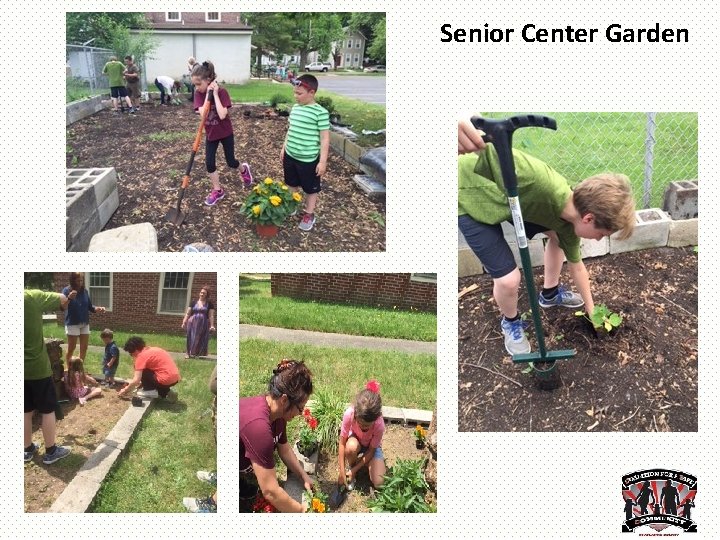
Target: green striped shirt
{"x": 303, "y": 136}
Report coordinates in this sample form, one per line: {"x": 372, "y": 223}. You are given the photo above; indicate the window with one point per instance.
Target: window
{"x": 347, "y": 59}
{"x": 174, "y": 292}
{"x": 358, "y": 43}
{"x": 356, "y": 61}
{"x": 99, "y": 286}
{"x": 349, "y": 44}
{"x": 172, "y": 16}
{"x": 427, "y": 278}
{"x": 212, "y": 16}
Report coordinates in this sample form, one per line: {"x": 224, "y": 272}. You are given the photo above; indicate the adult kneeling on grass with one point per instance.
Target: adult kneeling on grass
{"x": 263, "y": 423}
{"x": 155, "y": 371}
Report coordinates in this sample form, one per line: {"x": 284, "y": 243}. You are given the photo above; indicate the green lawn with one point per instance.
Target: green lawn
{"x": 164, "y": 341}
{"x": 587, "y": 143}
{"x": 258, "y": 306}
{"x": 407, "y": 380}
{"x": 172, "y": 442}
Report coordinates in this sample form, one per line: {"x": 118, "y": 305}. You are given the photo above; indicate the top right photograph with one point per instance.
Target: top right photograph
{"x": 577, "y": 271}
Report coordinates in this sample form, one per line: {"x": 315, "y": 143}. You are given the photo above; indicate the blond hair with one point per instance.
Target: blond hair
{"x": 609, "y": 198}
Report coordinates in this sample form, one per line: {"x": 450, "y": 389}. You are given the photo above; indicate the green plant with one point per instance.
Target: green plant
{"x": 307, "y": 440}
{"x": 270, "y": 202}
{"x": 403, "y": 490}
{"x": 283, "y": 109}
{"x": 420, "y": 433}
{"x": 377, "y": 218}
{"x": 277, "y": 99}
{"x": 326, "y": 102}
{"x": 602, "y": 317}
{"x": 316, "y": 501}
{"x": 328, "y": 409}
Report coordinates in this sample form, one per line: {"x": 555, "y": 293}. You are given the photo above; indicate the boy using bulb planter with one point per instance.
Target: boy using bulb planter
{"x": 305, "y": 151}
{"x": 596, "y": 207}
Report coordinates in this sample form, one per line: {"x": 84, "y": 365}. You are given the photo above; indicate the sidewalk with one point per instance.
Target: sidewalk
{"x": 175, "y": 355}
{"x": 343, "y": 341}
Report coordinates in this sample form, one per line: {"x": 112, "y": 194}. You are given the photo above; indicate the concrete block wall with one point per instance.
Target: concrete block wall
{"x": 77, "y": 110}
{"x": 651, "y": 230}
{"x": 681, "y": 199}
{"x": 91, "y": 198}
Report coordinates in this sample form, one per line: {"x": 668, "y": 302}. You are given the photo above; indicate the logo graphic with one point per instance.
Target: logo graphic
{"x": 659, "y": 498}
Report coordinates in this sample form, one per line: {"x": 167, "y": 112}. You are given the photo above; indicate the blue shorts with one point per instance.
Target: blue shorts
{"x": 489, "y": 244}
{"x": 378, "y": 452}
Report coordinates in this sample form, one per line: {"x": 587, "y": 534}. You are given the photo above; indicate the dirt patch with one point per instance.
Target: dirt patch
{"x": 398, "y": 443}
{"x": 150, "y": 151}
{"x": 642, "y": 379}
{"x": 83, "y": 429}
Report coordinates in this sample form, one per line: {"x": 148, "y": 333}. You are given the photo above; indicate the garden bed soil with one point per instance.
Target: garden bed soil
{"x": 150, "y": 173}
{"x": 644, "y": 378}
{"x": 398, "y": 443}
{"x": 83, "y": 429}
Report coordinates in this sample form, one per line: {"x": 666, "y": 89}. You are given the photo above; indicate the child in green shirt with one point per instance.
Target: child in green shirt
{"x": 597, "y": 207}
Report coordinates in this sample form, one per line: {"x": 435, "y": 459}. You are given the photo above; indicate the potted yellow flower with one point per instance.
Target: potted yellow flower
{"x": 269, "y": 204}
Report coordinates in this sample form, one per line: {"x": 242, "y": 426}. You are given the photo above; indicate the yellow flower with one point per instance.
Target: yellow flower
{"x": 318, "y": 506}
{"x": 268, "y": 181}
{"x": 297, "y": 197}
{"x": 275, "y": 200}
{"x": 256, "y": 209}
{"x": 257, "y": 189}
{"x": 284, "y": 187}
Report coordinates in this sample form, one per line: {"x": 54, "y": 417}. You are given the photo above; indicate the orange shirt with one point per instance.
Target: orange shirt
{"x": 159, "y": 361}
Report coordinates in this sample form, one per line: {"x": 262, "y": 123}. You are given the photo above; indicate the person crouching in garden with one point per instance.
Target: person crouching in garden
{"x": 263, "y": 423}
{"x": 155, "y": 371}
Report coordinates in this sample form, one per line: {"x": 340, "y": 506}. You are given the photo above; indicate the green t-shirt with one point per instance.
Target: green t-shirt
{"x": 37, "y": 363}
{"x": 543, "y": 193}
{"x": 114, "y": 71}
{"x": 303, "y": 137}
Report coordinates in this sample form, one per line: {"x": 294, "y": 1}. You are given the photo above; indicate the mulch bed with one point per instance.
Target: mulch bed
{"x": 150, "y": 173}
{"x": 83, "y": 429}
{"x": 644, "y": 378}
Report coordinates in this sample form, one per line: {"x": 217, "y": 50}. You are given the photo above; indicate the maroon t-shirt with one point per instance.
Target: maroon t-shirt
{"x": 258, "y": 437}
{"x": 214, "y": 127}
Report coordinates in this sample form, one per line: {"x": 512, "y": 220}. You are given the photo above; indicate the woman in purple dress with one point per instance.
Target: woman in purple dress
{"x": 198, "y": 322}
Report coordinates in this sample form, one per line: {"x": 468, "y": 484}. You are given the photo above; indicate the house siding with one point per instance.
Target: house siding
{"x": 135, "y": 302}
{"x": 379, "y": 290}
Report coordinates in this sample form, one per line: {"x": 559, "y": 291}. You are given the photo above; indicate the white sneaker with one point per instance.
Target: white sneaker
{"x": 147, "y": 394}
{"x": 207, "y": 476}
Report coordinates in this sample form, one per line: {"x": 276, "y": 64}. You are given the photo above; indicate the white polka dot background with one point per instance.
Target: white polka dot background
{"x": 550, "y": 485}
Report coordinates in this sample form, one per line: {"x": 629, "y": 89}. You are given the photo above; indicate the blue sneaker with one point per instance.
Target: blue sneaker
{"x": 59, "y": 453}
{"x": 515, "y": 340}
{"x": 29, "y": 455}
{"x": 564, "y": 298}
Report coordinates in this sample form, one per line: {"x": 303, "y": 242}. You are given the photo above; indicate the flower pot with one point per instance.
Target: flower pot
{"x": 419, "y": 444}
{"x": 309, "y": 463}
{"x": 266, "y": 230}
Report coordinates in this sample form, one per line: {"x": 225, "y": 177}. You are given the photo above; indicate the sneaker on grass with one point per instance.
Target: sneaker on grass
{"x": 207, "y": 476}
{"x": 215, "y": 196}
{"x": 564, "y": 298}
{"x": 29, "y": 454}
{"x": 200, "y": 506}
{"x": 515, "y": 340}
{"x": 59, "y": 453}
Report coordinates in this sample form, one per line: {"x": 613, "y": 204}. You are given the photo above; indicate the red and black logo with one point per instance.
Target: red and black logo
{"x": 659, "y": 498}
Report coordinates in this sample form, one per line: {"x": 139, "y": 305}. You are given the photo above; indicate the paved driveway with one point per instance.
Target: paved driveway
{"x": 370, "y": 89}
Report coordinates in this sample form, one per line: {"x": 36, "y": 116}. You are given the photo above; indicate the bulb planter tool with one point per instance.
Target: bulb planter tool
{"x": 499, "y": 132}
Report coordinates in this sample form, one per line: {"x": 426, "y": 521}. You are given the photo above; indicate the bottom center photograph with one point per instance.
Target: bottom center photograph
{"x": 337, "y": 393}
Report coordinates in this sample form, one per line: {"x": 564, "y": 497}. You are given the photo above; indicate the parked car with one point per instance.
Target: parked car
{"x": 318, "y": 66}
{"x": 374, "y": 69}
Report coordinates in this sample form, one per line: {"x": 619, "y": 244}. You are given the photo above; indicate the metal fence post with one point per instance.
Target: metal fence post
{"x": 649, "y": 155}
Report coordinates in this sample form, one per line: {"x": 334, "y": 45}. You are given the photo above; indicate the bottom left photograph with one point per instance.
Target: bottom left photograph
{"x": 120, "y": 385}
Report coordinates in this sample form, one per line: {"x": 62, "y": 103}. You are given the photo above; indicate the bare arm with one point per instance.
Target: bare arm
{"x": 188, "y": 312}
{"x": 324, "y": 150}
{"x": 580, "y": 276}
{"x": 341, "y": 461}
{"x": 290, "y": 459}
{"x": 135, "y": 382}
{"x": 211, "y": 316}
{"x": 271, "y": 490}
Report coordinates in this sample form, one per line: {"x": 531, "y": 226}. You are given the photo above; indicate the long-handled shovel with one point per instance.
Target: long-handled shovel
{"x": 500, "y": 132}
{"x": 175, "y": 215}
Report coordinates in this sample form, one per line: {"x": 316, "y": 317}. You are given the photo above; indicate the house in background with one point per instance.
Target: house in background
{"x": 219, "y": 36}
{"x": 141, "y": 301}
{"x": 348, "y": 53}
{"x": 402, "y": 291}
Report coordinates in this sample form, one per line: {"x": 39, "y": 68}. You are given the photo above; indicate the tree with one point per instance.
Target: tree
{"x": 39, "y": 280}
{"x": 316, "y": 32}
{"x": 272, "y": 33}
{"x": 99, "y": 26}
{"x": 376, "y": 49}
{"x": 372, "y": 26}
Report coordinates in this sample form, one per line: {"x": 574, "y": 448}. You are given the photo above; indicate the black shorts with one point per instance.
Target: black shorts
{"x": 149, "y": 381}
{"x": 118, "y": 91}
{"x": 301, "y": 174}
{"x": 489, "y": 244}
{"x": 40, "y": 396}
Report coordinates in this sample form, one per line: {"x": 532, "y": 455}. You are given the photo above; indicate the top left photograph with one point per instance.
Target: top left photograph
{"x": 225, "y": 132}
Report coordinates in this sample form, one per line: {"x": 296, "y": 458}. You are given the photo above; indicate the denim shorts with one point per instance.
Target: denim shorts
{"x": 378, "y": 452}
{"x": 489, "y": 244}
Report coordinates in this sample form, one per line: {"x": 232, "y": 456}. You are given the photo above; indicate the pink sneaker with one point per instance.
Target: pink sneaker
{"x": 215, "y": 196}
{"x": 246, "y": 175}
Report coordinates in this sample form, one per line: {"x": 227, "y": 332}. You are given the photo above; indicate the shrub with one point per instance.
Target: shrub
{"x": 403, "y": 490}
{"x": 279, "y": 98}
{"x": 329, "y": 410}
{"x": 326, "y": 102}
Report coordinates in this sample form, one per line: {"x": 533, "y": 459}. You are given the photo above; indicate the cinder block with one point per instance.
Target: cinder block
{"x": 683, "y": 232}
{"x": 77, "y": 110}
{"x": 681, "y": 199}
{"x": 107, "y": 208}
{"x": 80, "y": 204}
{"x": 537, "y": 251}
{"x": 353, "y": 152}
{"x": 102, "y": 181}
{"x": 337, "y": 142}
{"x": 594, "y": 248}
{"x": 393, "y": 413}
{"x": 82, "y": 237}
{"x": 371, "y": 187}
{"x": 140, "y": 237}
{"x": 468, "y": 263}
{"x": 417, "y": 416}
{"x": 99, "y": 463}
{"x": 651, "y": 230}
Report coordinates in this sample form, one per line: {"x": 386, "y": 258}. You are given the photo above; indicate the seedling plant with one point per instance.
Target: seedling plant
{"x": 602, "y": 318}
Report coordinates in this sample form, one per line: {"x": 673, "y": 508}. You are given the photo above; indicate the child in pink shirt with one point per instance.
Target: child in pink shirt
{"x": 361, "y": 436}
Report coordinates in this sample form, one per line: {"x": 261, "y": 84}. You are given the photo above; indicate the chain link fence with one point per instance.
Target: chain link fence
{"x": 652, "y": 149}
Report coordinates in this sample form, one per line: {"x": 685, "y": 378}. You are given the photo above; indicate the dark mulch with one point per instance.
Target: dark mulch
{"x": 150, "y": 173}
{"x": 644, "y": 378}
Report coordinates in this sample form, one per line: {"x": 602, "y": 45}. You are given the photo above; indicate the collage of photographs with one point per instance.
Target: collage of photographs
{"x": 265, "y": 132}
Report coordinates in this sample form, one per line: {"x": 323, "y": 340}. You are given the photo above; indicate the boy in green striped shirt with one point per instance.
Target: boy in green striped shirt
{"x": 305, "y": 150}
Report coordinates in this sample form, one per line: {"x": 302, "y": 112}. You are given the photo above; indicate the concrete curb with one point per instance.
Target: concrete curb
{"x": 80, "y": 492}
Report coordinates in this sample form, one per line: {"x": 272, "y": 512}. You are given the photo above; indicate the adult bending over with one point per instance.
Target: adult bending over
{"x": 155, "y": 371}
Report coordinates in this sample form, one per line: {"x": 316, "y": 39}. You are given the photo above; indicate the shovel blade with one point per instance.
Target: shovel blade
{"x": 175, "y": 216}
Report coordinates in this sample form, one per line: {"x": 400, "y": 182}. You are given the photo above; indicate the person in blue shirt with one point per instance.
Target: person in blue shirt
{"x": 77, "y": 315}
